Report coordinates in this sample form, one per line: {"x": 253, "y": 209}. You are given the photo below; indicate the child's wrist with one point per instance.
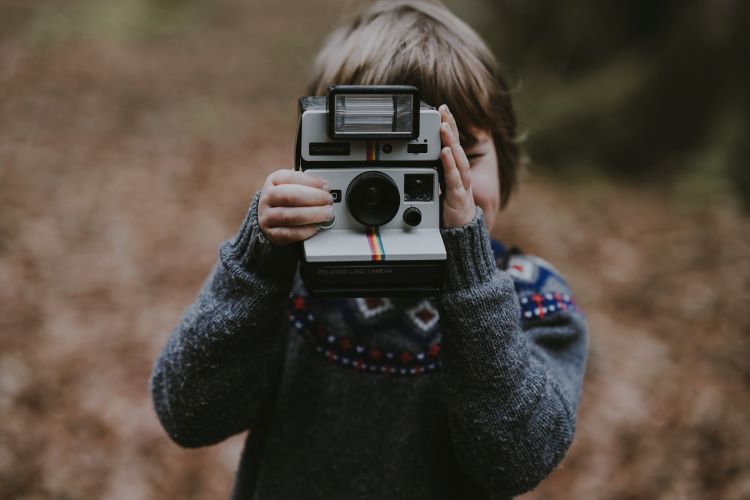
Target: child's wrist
{"x": 253, "y": 251}
{"x": 470, "y": 260}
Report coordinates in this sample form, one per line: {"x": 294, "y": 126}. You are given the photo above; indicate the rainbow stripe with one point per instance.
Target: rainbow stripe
{"x": 376, "y": 244}
{"x": 373, "y": 150}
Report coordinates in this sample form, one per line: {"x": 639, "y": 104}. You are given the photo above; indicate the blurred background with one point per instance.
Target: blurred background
{"x": 134, "y": 134}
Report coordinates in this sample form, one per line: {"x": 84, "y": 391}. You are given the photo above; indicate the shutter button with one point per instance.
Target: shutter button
{"x": 412, "y": 216}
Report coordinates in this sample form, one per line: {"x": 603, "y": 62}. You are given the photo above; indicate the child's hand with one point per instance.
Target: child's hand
{"x": 458, "y": 202}
{"x": 292, "y": 205}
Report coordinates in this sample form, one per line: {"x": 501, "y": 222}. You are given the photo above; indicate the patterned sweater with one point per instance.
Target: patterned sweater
{"x": 472, "y": 394}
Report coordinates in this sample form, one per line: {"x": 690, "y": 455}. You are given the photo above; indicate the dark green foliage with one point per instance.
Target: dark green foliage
{"x": 632, "y": 88}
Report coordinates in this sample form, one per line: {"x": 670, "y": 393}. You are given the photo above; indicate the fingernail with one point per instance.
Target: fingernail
{"x": 448, "y": 109}
{"x": 326, "y": 186}
{"x": 329, "y": 213}
{"x": 330, "y": 199}
{"x": 446, "y": 150}
{"x": 444, "y": 126}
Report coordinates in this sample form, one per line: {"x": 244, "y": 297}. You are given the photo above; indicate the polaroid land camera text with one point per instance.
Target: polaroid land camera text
{"x": 379, "y": 149}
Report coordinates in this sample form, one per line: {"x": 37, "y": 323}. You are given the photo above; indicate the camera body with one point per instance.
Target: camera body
{"x": 379, "y": 149}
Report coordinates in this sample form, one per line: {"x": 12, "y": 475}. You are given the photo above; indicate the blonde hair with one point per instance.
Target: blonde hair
{"x": 422, "y": 43}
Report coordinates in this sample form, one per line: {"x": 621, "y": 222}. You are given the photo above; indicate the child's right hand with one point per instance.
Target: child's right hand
{"x": 292, "y": 205}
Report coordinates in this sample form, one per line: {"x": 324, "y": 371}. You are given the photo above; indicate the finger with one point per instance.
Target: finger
{"x": 444, "y": 113}
{"x": 445, "y": 132}
{"x": 457, "y": 152}
{"x": 450, "y": 138}
{"x": 306, "y": 232}
{"x": 286, "y": 176}
{"x": 446, "y": 136}
{"x": 453, "y": 181}
{"x": 297, "y": 195}
{"x": 453, "y": 125}
{"x": 462, "y": 162}
{"x": 295, "y": 216}
{"x": 447, "y": 117}
{"x": 286, "y": 235}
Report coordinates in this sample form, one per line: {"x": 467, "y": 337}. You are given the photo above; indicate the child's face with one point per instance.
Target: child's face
{"x": 485, "y": 179}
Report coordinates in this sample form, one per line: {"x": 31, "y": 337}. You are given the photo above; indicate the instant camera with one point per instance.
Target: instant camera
{"x": 379, "y": 149}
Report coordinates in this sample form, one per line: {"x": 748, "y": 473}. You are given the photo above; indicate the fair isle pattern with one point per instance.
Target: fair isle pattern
{"x": 530, "y": 271}
{"x": 539, "y": 306}
{"x": 532, "y": 275}
{"x": 345, "y": 352}
{"x": 373, "y": 306}
{"x": 542, "y": 291}
{"x": 424, "y": 316}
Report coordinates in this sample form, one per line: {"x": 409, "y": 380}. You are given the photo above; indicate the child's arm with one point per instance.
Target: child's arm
{"x": 511, "y": 393}
{"x": 220, "y": 365}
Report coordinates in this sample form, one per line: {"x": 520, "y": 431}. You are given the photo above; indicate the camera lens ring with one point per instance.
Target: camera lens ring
{"x": 373, "y": 198}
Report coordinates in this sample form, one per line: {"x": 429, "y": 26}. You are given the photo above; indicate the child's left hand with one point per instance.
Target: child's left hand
{"x": 458, "y": 201}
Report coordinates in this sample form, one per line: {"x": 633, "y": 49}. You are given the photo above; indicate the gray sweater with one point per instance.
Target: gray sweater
{"x": 470, "y": 395}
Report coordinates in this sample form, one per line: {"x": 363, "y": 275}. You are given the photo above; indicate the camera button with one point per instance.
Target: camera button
{"x": 329, "y": 223}
{"x": 412, "y": 216}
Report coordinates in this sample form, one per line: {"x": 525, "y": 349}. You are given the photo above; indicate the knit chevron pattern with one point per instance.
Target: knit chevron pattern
{"x": 542, "y": 292}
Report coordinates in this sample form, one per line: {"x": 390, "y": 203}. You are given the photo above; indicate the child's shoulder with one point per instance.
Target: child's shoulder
{"x": 543, "y": 291}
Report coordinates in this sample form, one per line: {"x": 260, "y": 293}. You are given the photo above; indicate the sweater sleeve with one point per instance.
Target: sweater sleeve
{"x": 511, "y": 389}
{"x": 220, "y": 364}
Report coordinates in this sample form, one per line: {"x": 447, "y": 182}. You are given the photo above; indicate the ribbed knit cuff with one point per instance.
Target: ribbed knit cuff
{"x": 251, "y": 250}
{"x": 470, "y": 257}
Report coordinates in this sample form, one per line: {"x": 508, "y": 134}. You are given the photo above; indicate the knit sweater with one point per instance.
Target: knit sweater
{"x": 472, "y": 394}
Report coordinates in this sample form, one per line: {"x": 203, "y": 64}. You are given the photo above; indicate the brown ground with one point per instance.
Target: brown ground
{"x": 125, "y": 159}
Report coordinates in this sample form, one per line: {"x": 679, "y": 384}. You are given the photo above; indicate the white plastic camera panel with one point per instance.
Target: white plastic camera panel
{"x": 354, "y": 246}
{"x": 347, "y": 240}
{"x": 315, "y": 130}
{"x": 340, "y": 178}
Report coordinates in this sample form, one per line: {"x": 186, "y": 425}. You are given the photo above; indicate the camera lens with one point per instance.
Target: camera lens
{"x": 373, "y": 198}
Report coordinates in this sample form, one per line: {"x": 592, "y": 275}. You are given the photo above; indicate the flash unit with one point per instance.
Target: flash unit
{"x": 373, "y": 112}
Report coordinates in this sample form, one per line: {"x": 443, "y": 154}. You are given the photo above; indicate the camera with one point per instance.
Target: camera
{"x": 378, "y": 147}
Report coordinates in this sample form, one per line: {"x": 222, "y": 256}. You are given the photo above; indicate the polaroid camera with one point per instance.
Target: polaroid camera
{"x": 378, "y": 147}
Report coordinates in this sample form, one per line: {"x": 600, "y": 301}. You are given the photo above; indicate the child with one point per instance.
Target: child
{"x": 472, "y": 394}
